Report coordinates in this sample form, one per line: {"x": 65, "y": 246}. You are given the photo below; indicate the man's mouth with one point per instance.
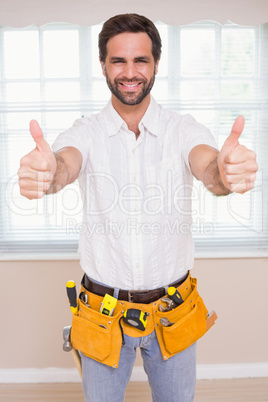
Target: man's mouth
{"x": 130, "y": 86}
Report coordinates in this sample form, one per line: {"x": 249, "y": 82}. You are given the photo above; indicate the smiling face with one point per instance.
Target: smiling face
{"x": 129, "y": 67}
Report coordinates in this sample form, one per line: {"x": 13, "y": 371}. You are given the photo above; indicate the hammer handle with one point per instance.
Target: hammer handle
{"x": 77, "y": 360}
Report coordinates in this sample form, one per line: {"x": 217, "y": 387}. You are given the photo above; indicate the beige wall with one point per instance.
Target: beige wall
{"x": 34, "y": 310}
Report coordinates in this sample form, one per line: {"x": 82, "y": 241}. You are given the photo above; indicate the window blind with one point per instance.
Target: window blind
{"x": 52, "y": 74}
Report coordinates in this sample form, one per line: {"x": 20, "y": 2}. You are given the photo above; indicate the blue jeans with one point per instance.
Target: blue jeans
{"x": 172, "y": 380}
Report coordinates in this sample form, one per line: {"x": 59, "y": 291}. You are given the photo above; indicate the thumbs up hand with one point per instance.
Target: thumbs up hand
{"x": 37, "y": 168}
{"x": 237, "y": 164}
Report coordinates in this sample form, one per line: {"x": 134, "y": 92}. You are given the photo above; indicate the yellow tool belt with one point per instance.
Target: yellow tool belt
{"x": 99, "y": 336}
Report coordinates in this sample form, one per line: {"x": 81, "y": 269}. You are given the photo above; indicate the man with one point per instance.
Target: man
{"x": 135, "y": 162}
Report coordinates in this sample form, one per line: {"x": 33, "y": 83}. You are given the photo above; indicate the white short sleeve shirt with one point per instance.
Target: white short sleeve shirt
{"x": 136, "y": 230}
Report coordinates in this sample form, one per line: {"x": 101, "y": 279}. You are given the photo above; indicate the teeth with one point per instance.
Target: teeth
{"x": 131, "y": 85}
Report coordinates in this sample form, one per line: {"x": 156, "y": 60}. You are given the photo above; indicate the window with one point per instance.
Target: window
{"x": 52, "y": 74}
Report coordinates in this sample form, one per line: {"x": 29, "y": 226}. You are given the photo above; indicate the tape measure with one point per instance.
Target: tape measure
{"x": 135, "y": 318}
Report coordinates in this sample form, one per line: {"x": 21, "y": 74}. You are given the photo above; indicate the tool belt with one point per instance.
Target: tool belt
{"x": 99, "y": 336}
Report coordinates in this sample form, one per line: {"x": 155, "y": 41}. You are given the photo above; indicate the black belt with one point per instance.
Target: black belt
{"x": 133, "y": 296}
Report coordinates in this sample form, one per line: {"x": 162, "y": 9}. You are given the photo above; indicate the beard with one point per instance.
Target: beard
{"x": 130, "y": 98}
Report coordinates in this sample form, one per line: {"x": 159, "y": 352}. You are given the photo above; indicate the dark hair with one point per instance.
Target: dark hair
{"x": 129, "y": 23}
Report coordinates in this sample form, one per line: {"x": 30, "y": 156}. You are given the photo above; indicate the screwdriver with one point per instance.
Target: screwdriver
{"x": 175, "y": 295}
{"x": 71, "y": 293}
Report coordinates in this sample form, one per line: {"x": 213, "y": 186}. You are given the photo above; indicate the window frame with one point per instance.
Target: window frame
{"x": 66, "y": 249}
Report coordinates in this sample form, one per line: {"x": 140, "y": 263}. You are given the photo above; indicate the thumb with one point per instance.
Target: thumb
{"x": 38, "y": 137}
{"x": 237, "y": 129}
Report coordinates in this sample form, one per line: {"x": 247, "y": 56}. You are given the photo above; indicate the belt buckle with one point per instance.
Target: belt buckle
{"x": 133, "y": 292}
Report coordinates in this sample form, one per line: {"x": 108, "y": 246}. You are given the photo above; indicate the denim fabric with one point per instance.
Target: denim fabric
{"x": 172, "y": 380}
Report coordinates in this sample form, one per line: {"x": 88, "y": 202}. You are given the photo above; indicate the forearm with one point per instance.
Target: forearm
{"x": 203, "y": 161}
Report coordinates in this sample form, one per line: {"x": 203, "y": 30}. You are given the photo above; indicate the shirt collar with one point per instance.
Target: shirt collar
{"x": 150, "y": 120}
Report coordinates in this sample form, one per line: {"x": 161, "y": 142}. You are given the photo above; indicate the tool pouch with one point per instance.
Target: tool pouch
{"x": 94, "y": 334}
{"x": 99, "y": 336}
{"x": 190, "y": 321}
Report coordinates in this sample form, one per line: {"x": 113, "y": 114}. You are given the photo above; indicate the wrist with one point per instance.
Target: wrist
{"x": 60, "y": 175}
{"x": 214, "y": 179}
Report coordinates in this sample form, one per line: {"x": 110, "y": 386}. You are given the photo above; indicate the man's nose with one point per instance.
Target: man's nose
{"x": 130, "y": 70}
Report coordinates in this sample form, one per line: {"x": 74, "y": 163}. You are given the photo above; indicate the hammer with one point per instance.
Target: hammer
{"x": 67, "y": 347}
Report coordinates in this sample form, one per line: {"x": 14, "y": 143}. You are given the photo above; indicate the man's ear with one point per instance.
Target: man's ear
{"x": 103, "y": 67}
{"x": 156, "y": 66}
